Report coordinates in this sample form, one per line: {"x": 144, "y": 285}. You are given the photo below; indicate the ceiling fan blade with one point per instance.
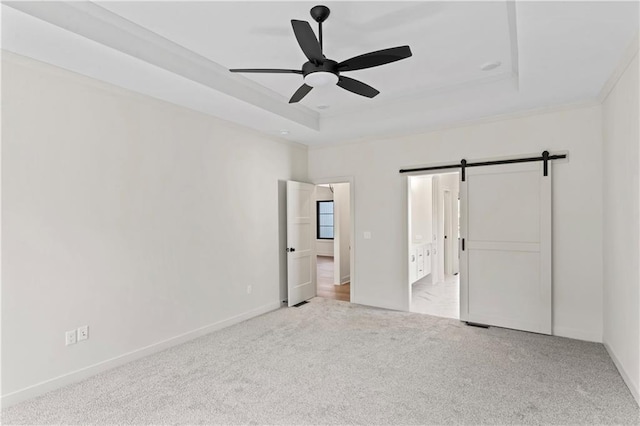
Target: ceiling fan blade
{"x": 307, "y": 40}
{"x": 357, "y": 87}
{"x": 374, "y": 59}
{"x": 300, "y": 93}
{"x": 266, "y": 70}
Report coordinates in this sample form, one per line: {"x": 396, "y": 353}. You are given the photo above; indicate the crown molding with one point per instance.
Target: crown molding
{"x": 458, "y": 124}
{"x": 40, "y": 66}
{"x": 408, "y": 100}
{"x": 100, "y": 25}
{"x": 627, "y": 57}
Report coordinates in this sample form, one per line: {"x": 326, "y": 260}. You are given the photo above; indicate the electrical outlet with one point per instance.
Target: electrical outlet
{"x": 249, "y": 289}
{"x": 83, "y": 333}
{"x": 70, "y": 337}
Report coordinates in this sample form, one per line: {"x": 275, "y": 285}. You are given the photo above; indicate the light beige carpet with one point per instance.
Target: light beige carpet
{"x": 330, "y": 362}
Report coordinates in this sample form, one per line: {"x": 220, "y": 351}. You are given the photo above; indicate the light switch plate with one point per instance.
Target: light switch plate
{"x": 367, "y": 235}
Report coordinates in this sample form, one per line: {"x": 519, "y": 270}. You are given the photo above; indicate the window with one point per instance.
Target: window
{"x": 324, "y": 226}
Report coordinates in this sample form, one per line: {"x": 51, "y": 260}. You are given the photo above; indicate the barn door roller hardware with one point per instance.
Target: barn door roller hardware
{"x": 463, "y": 164}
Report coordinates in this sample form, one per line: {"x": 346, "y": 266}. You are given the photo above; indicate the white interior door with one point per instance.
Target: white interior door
{"x": 506, "y": 261}
{"x": 301, "y": 250}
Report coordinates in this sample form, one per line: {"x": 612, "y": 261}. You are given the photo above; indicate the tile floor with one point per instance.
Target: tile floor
{"x": 439, "y": 299}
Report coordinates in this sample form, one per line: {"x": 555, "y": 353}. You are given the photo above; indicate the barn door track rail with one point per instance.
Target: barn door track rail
{"x": 545, "y": 157}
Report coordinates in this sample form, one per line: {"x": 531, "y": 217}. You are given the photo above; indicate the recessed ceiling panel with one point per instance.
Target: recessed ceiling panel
{"x": 449, "y": 41}
{"x": 549, "y": 53}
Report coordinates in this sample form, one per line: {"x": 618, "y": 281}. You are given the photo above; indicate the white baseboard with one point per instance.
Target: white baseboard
{"x": 633, "y": 387}
{"x": 86, "y": 372}
{"x": 345, "y": 279}
{"x": 573, "y": 333}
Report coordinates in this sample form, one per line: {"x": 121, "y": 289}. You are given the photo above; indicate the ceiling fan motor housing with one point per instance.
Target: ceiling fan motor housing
{"x": 327, "y": 65}
{"x": 321, "y": 74}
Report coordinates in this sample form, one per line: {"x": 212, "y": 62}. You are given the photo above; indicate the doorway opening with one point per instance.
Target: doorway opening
{"x": 434, "y": 241}
{"x": 333, "y": 241}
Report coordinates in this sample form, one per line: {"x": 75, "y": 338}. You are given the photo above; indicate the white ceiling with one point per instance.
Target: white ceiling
{"x": 551, "y": 53}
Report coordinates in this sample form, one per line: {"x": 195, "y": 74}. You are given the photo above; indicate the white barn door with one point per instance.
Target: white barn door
{"x": 506, "y": 261}
{"x": 301, "y": 249}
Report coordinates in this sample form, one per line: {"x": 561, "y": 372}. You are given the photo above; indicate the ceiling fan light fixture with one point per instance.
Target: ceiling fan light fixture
{"x": 320, "y": 78}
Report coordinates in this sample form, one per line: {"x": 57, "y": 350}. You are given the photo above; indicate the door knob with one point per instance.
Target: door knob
{"x": 290, "y": 249}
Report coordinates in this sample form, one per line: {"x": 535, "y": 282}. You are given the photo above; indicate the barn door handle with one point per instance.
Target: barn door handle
{"x": 463, "y": 244}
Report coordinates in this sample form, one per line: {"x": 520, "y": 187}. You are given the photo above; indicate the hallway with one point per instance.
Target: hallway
{"x": 326, "y": 288}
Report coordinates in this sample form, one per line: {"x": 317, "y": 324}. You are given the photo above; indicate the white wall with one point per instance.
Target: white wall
{"x": 136, "y": 217}
{"x": 622, "y": 227}
{"x": 324, "y": 247}
{"x": 421, "y": 225}
{"x": 381, "y": 200}
{"x": 342, "y": 221}
{"x": 445, "y": 182}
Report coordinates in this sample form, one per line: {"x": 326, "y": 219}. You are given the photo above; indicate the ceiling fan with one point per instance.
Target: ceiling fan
{"x": 320, "y": 71}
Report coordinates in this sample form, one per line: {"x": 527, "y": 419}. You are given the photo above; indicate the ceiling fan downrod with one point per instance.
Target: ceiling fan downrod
{"x": 320, "y": 14}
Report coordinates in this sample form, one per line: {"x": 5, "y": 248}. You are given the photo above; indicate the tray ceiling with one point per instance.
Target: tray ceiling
{"x": 550, "y": 53}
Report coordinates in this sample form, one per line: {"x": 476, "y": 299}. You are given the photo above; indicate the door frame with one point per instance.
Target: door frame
{"x": 448, "y": 228}
{"x": 352, "y": 213}
{"x": 436, "y": 195}
{"x": 407, "y": 172}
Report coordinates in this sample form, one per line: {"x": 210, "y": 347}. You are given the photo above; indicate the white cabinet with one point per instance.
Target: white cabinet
{"x": 419, "y": 261}
{"x": 427, "y": 260}
{"x": 413, "y": 266}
